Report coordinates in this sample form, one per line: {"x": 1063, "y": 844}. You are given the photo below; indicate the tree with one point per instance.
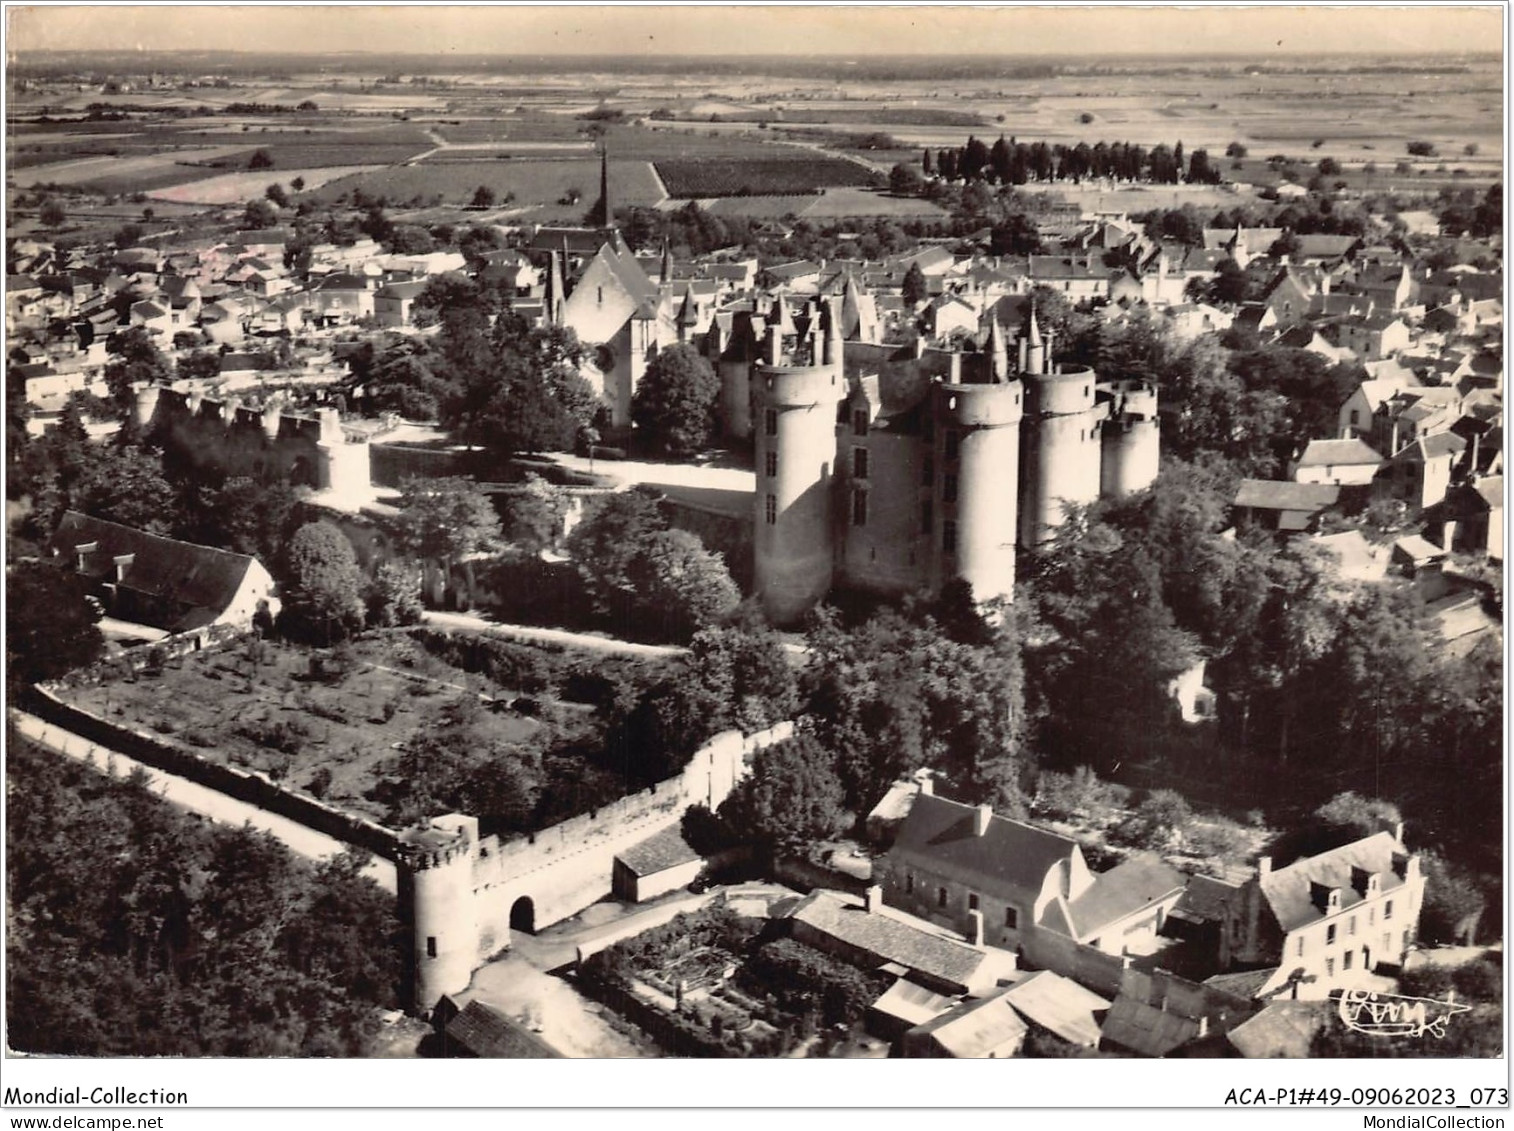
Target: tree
{"x": 298, "y": 184}
{"x": 127, "y": 235}
{"x": 533, "y": 515}
{"x": 394, "y": 596}
{"x": 1016, "y": 235}
{"x": 1158, "y": 822}
{"x": 138, "y": 361}
{"x": 607, "y": 541}
{"x": 746, "y": 671}
{"x": 680, "y": 587}
{"x": 791, "y": 798}
{"x": 260, "y": 159}
{"x": 915, "y": 289}
{"x": 259, "y": 214}
{"x": 483, "y": 197}
{"x": 324, "y": 596}
{"x": 276, "y": 195}
{"x": 675, "y": 403}
{"x": 1421, "y": 149}
{"x": 51, "y": 212}
{"x": 1235, "y": 149}
{"x": 905, "y": 180}
{"x": 50, "y": 623}
{"x": 445, "y": 520}
{"x": 1329, "y": 167}
{"x": 521, "y": 389}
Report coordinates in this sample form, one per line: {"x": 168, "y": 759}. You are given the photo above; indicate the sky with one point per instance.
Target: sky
{"x": 839, "y": 29}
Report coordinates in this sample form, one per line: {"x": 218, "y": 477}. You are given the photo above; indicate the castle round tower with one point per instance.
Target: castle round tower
{"x": 1132, "y": 446}
{"x": 1062, "y": 448}
{"x": 795, "y": 390}
{"x": 977, "y": 452}
{"x": 436, "y": 887}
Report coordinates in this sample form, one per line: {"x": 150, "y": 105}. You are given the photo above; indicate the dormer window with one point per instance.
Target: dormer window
{"x": 82, "y": 552}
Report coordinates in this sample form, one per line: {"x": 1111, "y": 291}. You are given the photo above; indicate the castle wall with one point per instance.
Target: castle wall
{"x": 888, "y": 553}
{"x": 735, "y": 398}
{"x": 560, "y": 870}
{"x": 796, "y": 409}
{"x": 269, "y": 445}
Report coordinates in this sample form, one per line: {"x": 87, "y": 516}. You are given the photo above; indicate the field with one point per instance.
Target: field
{"x": 275, "y": 718}
{"x": 539, "y": 182}
{"x": 689, "y": 179}
{"x": 236, "y": 188}
{"x": 832, "y": 203}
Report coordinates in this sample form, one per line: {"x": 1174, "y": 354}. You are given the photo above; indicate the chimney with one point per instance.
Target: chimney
{"x": 1398, "y": 831}
{"x": 123, "y": 563}
{"x": 928, "y": 786}
{"x": 982, "y": 815}
{"x": 975, "y": 931}
{"x": 872, "y": 898}
{"x": 1263, "y": 866}
{"x": 1203, "y": 1027}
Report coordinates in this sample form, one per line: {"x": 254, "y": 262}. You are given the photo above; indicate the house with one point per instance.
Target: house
{"x": 1156, "y": 1014}
{"x": 1319, "y": 247}
{"x": 1189, "y": 320}
{"x": 152, "y": 317}
{"x": 393, "y": 305}
{"x": 988, "y": 1028}
{"x": 339, "y": 297}
{"x": 1283, "y": 1029}
{"x": 1420, "y": 473}
{"x": 800, "y": 276}
{"x": 614, "y": 310}
{"x": 1375, "y": 338}
{"x": 1004, "y": 882}
{"x": 1320, "y": 924}
{"x": 1060, "y": 1006}
{"x": 484, "y": 1032}
{"x": 1471, "y": 517}
{"x": 1345, "y": 463}
{"x": 1284, "y": 507}
{"x": 662, "y": 863}
{"x": 868, "y": 934}
{"x": 981, "y": 875}
{"x": 904, "y": 1006}
{"x": 1411, "y": 414}
{"x": 162, "y": 583}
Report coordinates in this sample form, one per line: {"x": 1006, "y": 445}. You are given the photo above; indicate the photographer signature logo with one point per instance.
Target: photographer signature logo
{"x": 1390, "y": 1015}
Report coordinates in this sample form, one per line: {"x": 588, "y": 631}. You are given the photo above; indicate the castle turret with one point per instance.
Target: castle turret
{"x": 1061, "y": 447}
{"x": 1131, "y": 440}
{"x": 977, "y": 452}
{"x": 795, "y": 405}
{"x": 998, "y": 352}
{"x": 688, "y": 315}
{"x": 436, "y": 890}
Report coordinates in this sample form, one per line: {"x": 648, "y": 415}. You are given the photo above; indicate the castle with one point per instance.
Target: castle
{"x": 897, "y": 469}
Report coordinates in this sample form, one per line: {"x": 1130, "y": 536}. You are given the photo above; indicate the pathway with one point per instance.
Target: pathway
{"x": 607, "y": 645}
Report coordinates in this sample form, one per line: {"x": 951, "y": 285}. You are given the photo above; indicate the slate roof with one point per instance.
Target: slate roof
{"x": 482, "y": 1031}
{"x": 1060, "y": 1006}
{"x": 1207, "y": 899}
{"x": 1010, "y": 853}
{"x": 1272, "y": 494}
{"x": 1436, "y": 446}
{"x": 1490, "y": 490}
{"x": 1243, "y": 983}
{"x": 912, "y": 1003}
{"x": 1145, "y": 1029}
{"x": 1121, "y": 891}
{"x": 1337, "y": 453}
{"x": 891, "y": 939}
{"x": 1290, "y": 891}
{"x": 1283, "y": 1029}
{"x": 401, "y": 290}
{"x": 976, "y": 1029}
{"x": 1321, "y": 246}
{"x": 192, "y": 578}
{"x": 660, "y": 851}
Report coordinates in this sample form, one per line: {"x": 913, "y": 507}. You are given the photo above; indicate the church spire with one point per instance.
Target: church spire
{"x": 608, "y": 213}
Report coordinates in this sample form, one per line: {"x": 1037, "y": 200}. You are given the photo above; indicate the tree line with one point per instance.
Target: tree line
{"x": 1014, "y": 162}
